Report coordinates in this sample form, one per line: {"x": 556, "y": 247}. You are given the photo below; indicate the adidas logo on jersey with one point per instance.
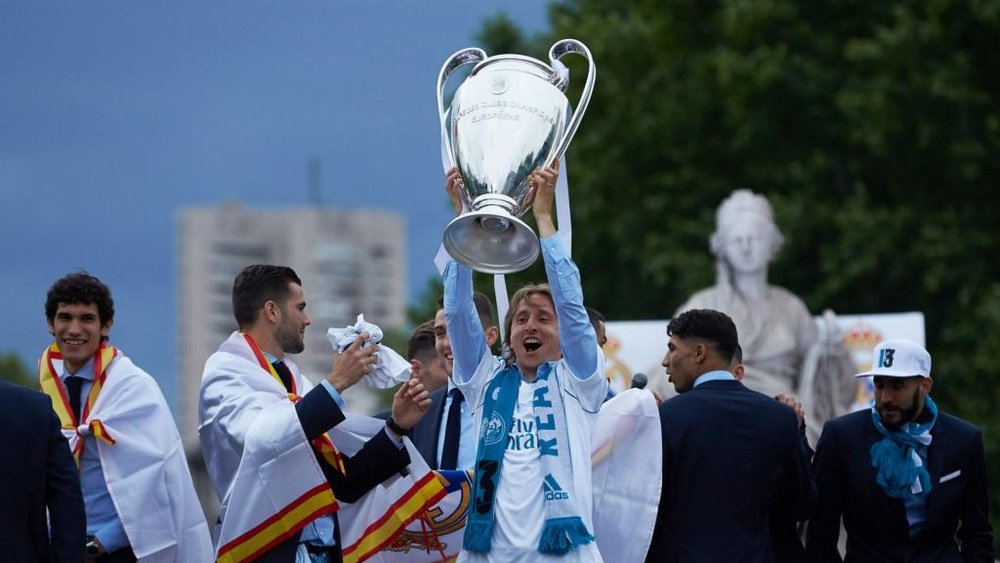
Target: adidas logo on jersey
{"x": 552, "y": 489}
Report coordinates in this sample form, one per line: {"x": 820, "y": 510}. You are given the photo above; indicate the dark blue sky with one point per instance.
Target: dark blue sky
{"x": 115, "y": 115}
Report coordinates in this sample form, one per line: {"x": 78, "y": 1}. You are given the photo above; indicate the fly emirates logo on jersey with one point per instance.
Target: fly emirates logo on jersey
{"x": 523, "y": 435}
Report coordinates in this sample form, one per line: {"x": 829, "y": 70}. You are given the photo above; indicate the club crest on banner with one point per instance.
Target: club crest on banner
{"x": 617, "y": 372}
{"x": 860, "y": 339}
{"x": 437, "y": 534}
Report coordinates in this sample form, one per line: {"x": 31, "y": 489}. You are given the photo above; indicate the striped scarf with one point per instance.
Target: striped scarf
{"x": 564, "y": 529}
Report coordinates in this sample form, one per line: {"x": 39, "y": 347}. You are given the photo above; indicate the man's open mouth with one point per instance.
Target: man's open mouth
{"x": 531, "y": 344}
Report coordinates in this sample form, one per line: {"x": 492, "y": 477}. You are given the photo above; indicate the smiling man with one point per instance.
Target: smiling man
{"x": 137, "y": 491}
{"x": 535, "y": 409}
{"x": 446, "y": 437}
{"x": 907, "y": 479}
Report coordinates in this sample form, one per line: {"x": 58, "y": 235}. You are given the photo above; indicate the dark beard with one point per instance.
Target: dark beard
{"x": 907, "y": 415}
{"x": 289, "y": 340}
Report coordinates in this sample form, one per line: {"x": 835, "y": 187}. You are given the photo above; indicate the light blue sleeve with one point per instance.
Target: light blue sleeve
{"x": 333, "y": 393}
{"x": 465, "y": 331}
{"x": 112, "y": 536}
{"x": 576, "y": 335}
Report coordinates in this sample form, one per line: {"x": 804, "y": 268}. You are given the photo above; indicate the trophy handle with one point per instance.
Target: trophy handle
{"x": 559, "y": 49}
{"x": 471, "y": 55}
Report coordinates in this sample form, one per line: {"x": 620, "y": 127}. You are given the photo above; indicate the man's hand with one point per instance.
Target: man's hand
{"x": 656, "y": 396}
{"x": 795, "y": 406}
{"x": 410, "y": 403}
{"x": 452, "y": 184}
{"x": 543, "y": 181}
{"x": 101, "y": 552}
{"x": 353, "y": 364}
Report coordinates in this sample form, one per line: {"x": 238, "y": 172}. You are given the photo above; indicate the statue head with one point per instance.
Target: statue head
{"x": 745, "y": 238}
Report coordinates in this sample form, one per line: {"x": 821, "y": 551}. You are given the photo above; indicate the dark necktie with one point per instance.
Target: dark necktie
{"x": 284, "y": 373}
{"x": 452, "y": 431}
{"x": 73, "y": 386}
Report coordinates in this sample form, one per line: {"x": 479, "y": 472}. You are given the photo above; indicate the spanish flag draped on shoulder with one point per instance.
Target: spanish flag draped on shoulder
{"x": 265, "y": 470}
{"x": 125, "y": 417}
{"x": 257, "y": 454}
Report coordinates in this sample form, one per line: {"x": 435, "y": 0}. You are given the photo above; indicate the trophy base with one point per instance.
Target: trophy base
{"x": 491, "y": 241}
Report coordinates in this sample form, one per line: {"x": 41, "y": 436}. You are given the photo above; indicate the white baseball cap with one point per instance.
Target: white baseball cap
{"x": 899, "y": 358}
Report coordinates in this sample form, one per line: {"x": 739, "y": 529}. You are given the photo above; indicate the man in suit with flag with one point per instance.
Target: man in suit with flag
{"x": 263, "y": 429}
{"x": 137, "y": 490}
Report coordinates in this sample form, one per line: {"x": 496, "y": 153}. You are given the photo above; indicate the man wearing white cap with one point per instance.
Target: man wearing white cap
{"x": 909, "y": 481}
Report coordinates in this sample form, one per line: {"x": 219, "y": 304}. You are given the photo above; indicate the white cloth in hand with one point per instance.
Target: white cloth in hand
{"x": 390, "y": 368}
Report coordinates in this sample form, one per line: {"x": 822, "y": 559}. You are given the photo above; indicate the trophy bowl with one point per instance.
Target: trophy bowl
{"x": 509, "y": 117}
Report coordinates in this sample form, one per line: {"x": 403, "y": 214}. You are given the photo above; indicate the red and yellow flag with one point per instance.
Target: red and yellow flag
{"x": 50, "y": 384}
{"x": 279, "y": 527}
{"x": 323, "y": 444}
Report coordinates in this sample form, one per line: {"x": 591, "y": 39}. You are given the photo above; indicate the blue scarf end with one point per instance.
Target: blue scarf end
{"x": 477, "y": 536}
{"x": 561, "y": 535}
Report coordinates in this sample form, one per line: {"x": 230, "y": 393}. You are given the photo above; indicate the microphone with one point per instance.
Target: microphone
{"x": 639, "y": 381}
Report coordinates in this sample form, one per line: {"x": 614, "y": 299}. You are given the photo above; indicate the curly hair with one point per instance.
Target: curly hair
{"x": 80, "y": 288}
{"x": 708, "y": 325}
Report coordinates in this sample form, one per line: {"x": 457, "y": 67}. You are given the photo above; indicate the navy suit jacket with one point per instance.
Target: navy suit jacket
{"x": 876, "y": 524}
{"x": 377, "y": 460}
{"x": 426, "y": 432}
{"x": 39, "y": 474}
{"x": 785, "y": 538}
{"x": 730, "y": 456}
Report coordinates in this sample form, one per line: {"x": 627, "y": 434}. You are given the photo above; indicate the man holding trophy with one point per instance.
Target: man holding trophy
{"x": 535, "y": 407}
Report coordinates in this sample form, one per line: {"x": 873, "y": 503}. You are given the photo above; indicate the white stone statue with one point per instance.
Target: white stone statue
{"x": 783, "y": 350}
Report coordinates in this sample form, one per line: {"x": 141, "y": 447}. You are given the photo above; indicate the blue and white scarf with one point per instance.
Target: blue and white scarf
{"x": 900, "y": 471}
{"x": 564, "y": 529}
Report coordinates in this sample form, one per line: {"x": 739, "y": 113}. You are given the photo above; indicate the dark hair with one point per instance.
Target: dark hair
{"x": 595, "y": 317}
{"x": 421, "y": 344}
{"x": 737, "y": 355}
{"x": 706, "y": 324}
{"x": 258, "y": 284}
{"x": 484, "y": 308}
{"x": 80, "y": 288}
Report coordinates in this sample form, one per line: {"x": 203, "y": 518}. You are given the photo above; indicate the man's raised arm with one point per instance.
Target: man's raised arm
{"x": 576, "y": 335}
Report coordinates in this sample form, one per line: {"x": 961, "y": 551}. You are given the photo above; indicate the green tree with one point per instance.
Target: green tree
{"x": 873, "y": 128}
{"x": 12, "y": 370}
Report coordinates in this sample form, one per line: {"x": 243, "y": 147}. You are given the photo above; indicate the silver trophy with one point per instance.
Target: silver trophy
{"x": 507, "y": 118}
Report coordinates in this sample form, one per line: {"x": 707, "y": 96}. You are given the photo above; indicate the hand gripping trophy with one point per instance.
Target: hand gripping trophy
{"x": 507, "y": 118}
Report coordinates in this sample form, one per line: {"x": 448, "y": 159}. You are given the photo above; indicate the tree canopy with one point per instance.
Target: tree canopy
{"x": 12, "y": 370}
